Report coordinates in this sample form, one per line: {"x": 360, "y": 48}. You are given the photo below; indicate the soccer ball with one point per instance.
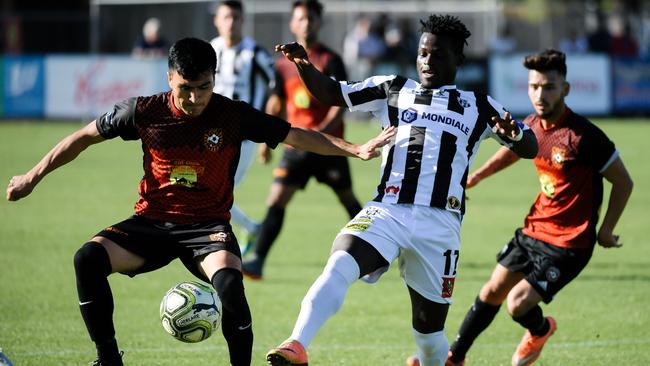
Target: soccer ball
{"x": 190, "y": 311}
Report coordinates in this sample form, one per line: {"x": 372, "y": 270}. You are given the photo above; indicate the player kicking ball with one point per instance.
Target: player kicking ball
{"x": 417, "y": 212}
{"x": 559, "y": 233}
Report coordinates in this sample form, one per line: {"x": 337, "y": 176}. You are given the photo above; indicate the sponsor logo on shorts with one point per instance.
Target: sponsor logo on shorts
{"x": 116, "y": 231}
{"x": 221, "y": 236}
{"x": 354, "y": 226}
{"x": 371, "y": 211}
{"x": 552, "y": 274}
{"x": 448, "y": 286}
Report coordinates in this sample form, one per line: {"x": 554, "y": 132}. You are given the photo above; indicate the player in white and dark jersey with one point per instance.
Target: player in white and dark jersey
{"x": 417, "y": 211}
{"x": 244, "y": 72}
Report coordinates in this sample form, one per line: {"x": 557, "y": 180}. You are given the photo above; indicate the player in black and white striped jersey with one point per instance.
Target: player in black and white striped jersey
{"x": 244, "y": 72}
{"x": 417, "y": 212}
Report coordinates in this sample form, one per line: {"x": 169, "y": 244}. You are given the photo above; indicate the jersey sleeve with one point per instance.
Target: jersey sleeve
{"x": 597, "y": 148}
{"x": 260, "y": 127}
{"x": 120, "y": 121}
{"x": 495, "y": 108}
{"x": 368, "y": 95}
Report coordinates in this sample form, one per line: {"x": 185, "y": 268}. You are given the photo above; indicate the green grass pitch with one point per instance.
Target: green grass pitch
{"x": 602, "y": 316}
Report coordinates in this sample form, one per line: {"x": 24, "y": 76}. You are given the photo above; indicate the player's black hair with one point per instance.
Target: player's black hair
{"x": 191, "y": 58}
{"x": 314, "y": 6}
{"x": 447, "y": 26}
{"x": 233, "y": 4}
{"x": 548, "y": 60}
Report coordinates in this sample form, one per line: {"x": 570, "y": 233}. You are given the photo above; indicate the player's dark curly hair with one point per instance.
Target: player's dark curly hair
{"x": 313, "y": 6}
{"x": 191, "y": 58}
{"x": 448, "y": 26}
{"x": 549, "y": 60}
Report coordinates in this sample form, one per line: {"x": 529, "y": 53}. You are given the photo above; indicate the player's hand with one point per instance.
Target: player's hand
{"x": 607, "y": 239}
{"x": 19, "y": 186}
{"x": 370, "y": 149}
{"x": 473, "y": 180}
{"x": 294, "y": 52}
{"x": 506, "y": 127}
{"x": 264, "y": 154}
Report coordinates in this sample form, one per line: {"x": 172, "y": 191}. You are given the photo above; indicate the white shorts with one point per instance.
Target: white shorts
{"x": 246, "y": 158}
{"x": 426, "y": 240}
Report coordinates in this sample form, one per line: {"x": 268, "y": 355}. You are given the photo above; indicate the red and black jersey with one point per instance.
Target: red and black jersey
{"x": 303, "y": 110}
{"x": 189, "y": 162}
{"x": 571, "y": 158}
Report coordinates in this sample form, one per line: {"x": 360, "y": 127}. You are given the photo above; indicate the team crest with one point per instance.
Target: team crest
{"x": 392, "y": 190}
{"x": 214, "y": 139}
{"x": 221, "y": 236}
{"x": 558, "y": 156}
{"x": 409, "y": 115}
{"x": 463, "y": 103}
{"x": 453, "y": 203}
{"x": 447, "y": 286}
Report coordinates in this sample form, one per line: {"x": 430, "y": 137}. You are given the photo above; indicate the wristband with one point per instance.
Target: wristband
{"x": 519, "y": 136}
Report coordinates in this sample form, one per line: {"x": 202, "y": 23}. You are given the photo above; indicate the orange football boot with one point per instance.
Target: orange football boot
{"x": 531, "y": 346}
{"x": 289, "y": 353}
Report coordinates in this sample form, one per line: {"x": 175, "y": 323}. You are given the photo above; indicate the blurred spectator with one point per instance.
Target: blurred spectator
{"x": 504, "y": 42}
{"x": 401, "y": 44}
{"x": 574, "y": 42}
{"x": 598, "y": 37}
{"x": 644, "y": 38}
{"x": 622, "y": 43}
{"x": 362, "y": 48}
{"x": 151, "y": 45}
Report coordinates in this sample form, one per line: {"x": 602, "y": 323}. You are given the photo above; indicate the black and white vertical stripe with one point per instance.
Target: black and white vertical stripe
{"x": 438, "y": 134}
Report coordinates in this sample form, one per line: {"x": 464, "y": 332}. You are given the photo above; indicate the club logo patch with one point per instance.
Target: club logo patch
{"x": 453, "y": 203}
{"x": 221, "y": 236}
{"x": 463, "y": 103}
{"x": 552, "y": 274}
{"x": 213, "y": 139}
{"x": 558, "y": 156}
{"x": 409, "y": 115}
{"x": 448, "y": 286}
{"x": 392, "y": 190}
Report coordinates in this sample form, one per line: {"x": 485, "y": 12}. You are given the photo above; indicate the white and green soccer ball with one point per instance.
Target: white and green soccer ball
{"x": 190, "y": 311}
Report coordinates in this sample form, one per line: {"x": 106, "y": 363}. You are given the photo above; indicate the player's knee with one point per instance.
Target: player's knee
{"x": 432, "y": 347}
{"x": 342, "y": 264}
{"x": 492, "y": 294}
{"x": 92, "y": 258}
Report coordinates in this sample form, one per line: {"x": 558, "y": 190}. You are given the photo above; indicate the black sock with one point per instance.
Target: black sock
{"x": 236, "y": 322}
{"x": 92, "y": 267}
{"x": 534, "y": 321}
{"x": 270, "y": 230}
{"x": 479, "y": 316}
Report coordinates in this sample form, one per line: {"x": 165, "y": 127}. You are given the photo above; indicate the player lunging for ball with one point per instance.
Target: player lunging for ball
{"x": 191, "y": 140}
{"x": 417, "y": 211}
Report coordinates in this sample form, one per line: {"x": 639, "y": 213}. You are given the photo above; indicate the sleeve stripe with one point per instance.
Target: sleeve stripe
{"x": 609, "y": 162}
{"x": 369, "y": 94}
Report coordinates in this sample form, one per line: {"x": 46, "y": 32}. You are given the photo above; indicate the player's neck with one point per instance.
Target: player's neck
{"x": 556, "y": 119}
{"x": 231, "y": 42}
{"x": 308, "y": 43}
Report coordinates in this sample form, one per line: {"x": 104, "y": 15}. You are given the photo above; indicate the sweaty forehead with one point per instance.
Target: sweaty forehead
{"x": 544, "y": 77}
{"x": 431, "y": 40}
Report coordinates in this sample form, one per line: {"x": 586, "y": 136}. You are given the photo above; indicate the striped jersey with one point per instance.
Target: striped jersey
{"x": 438, "y": 135}
{"x": 244, "y": 72}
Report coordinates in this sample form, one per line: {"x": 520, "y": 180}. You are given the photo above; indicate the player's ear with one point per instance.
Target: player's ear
{"x": 566, "y": 88}
{"x": 169, "y": 78}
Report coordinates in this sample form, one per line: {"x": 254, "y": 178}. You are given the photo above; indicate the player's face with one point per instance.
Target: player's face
{"x": 229, "y": 22}
{"x": 304, "y": 25}
{"x": 436, "y": 61}
{"x": 191, "y": 96}
{"x": 546, "y": 91}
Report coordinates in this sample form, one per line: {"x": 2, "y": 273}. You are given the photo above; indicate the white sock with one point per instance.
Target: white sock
{"x": 238, "y": 217}
{"x": 325, "y": 296}
{"x": 432, "y": 348}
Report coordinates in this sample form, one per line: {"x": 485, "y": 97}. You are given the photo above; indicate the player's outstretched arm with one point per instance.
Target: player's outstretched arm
{"x": 324, "y": 144}
{"x": 64, "y": 152}
{"x": 501, "y": 159}
{"x": 524, "y": 142}
{"x": 326, "y": 90}
{"x": 621, "y": 190}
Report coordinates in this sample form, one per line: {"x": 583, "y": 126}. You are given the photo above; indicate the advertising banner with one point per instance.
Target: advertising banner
{"x": 86, "y": 87}
{"x": 589, "y": 76}
{"x": 632, "y": 86}
{"x": 23, "y": 86}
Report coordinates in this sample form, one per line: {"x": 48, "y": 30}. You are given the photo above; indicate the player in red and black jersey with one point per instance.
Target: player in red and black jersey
{"x": 559, "y": 232}
{"x": 302, "y": 110}
{"x": 191, "y": 142}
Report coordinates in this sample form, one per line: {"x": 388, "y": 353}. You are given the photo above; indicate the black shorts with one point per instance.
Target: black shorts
{"x": 548, "y": 268}
{"x": 296, "y": 167}
{"x": 160, "y": 242}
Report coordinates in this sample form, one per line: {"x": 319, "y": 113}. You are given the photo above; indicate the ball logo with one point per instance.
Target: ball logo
{"x": 409, "y": 115}
{"x": 214, "y": 139}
